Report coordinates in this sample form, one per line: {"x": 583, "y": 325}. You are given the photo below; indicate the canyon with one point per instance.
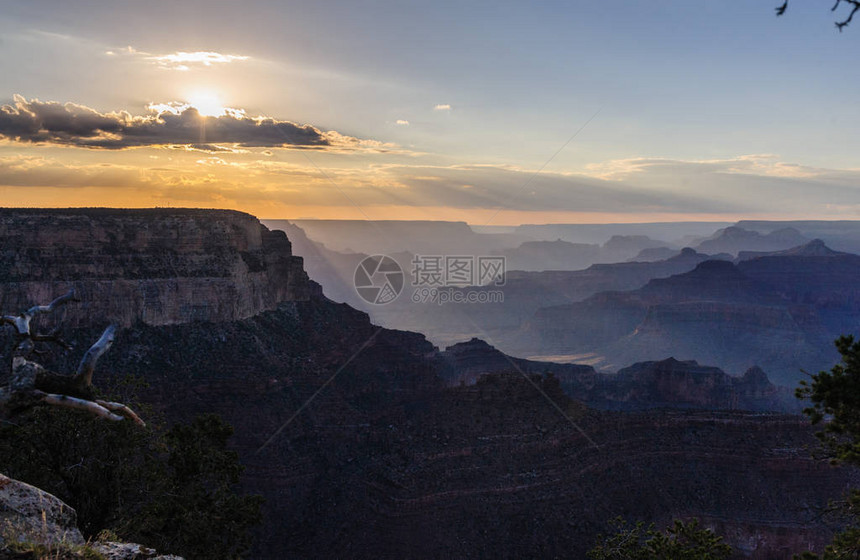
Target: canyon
{"x": 780, "y": 311}
{"x": 370, "y": 442}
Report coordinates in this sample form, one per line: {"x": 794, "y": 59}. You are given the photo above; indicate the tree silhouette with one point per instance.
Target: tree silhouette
{"x": 853, "y": 4}
{"x": 834, "y": 398}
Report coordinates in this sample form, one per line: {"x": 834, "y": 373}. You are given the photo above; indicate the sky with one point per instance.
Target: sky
{"x": 495, "y": 113}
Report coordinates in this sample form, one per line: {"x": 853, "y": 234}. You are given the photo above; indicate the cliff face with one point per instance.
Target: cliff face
{"x": 347, "y": 431}
{"x": 159, "y": 266}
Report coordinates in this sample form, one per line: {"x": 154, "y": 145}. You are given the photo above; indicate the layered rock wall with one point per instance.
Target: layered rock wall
{"x": 159, "y": 266}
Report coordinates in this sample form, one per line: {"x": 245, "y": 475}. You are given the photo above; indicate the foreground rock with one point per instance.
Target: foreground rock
{"x": 29, "y": 514}
{"x": 129, "y": 551}
{"x": 35, "y": 524}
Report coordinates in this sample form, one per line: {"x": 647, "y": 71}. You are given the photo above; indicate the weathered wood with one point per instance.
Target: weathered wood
{"x": 84, "y": 375}
{"x": 78, "y": 404}
{"x": 122, "y": 409}
{"x": 30, "y": 384}
{"x": 21, "y": 322}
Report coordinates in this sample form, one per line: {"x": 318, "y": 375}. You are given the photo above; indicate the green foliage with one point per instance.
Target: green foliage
{"x": 31, "y": 551}
{"x": 20, "y": 540}
{"x": 173, "y": 490}
{"x": 102, "y": 469}
{"x": 681, "y": 541}
{"x": 835, "y": 404}
{"x": 200, "y": 516}
{"x": 835, "y": 397}
{"x": 845, "y": 546}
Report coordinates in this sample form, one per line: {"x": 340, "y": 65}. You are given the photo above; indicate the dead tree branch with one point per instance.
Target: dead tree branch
{"x": 80, "y": 404}
{"x": 21, "y": 322}
{"x": 30, "y": 384}
{"x": 84, "y": 376}
{"x": 24, "y": 338}
{"x": 840, "y": 25}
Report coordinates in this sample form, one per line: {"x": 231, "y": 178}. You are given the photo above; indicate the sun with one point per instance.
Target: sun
{"x": 207, "y": 103}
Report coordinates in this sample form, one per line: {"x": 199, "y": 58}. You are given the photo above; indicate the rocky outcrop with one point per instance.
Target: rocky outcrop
{"x": 129, "y": 551}
{"x": 466, "y": 362}
{"x": 158, "y": 266}
{"x": 711, "y": 280}
{"x": 668, "y": 383}
{"x": 29, "y": 514}
{"x": 35, "y": 524}
{"x": 622, "y": 247}
{"x": 671, "y": 383}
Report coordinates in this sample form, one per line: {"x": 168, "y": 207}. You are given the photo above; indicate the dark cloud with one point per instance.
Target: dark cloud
{"x": 68, "y": 124}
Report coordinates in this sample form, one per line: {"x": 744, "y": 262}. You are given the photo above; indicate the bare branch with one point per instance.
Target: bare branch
{"x": 21, "y": 322}
{"x": 84, "y": 375}
{"x": 855, "y": 7}
{"x": 32, "y": 385}
{"x": 780, "y": 10}
{"x": 62, "y": 300}
{"x": 78, "y": 404}
{"x": 51, "y": 337}
{"x": 122, "y": 409}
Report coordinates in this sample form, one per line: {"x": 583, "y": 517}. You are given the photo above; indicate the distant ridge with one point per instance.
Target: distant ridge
{"x": 668, "y": 383}
{"x": 735, "y": 239}
{"x": 842, "y": 235}
{"x": 815, "y": 248}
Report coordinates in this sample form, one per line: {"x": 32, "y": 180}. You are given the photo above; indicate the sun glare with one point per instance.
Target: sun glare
{"x": 207, "y": 103}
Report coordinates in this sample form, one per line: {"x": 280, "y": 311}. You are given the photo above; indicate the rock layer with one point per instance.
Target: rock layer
{"x": 159, "y": 266}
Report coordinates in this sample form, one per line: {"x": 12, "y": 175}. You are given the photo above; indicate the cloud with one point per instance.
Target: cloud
{"x": 242, "y": 180}
{"x": 183, "y": 60}
{"x": 442, "y": 107}
{"x": 166, "y": 125}
{"x": 402, "y": 122}
{"x": 180, "y": 60}
{"x": 513, "y": 188}
{"x": 756, "y": 182}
